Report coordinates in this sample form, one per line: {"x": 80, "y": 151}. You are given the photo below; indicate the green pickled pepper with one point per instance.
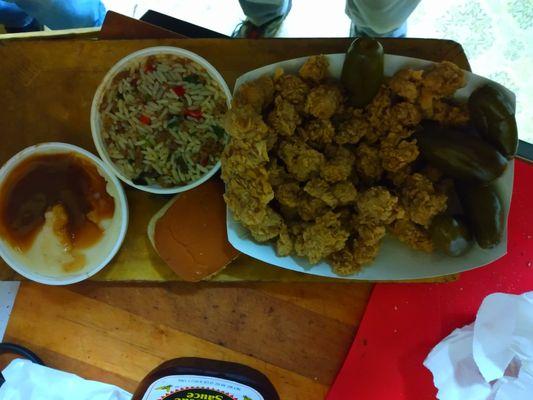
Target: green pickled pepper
{"x": 450, "y": 234}
{"x": 362, "y": 71}
{"x": 459, "y": 155}
{"x": 484, "y": 211}
{"x": 492, "y": 113}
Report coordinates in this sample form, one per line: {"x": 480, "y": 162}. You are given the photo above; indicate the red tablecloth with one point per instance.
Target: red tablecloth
{"x": 403, "y": 322}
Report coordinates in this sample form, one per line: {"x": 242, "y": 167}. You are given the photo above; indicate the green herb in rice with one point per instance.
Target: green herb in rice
{"x": 161, "y": 121}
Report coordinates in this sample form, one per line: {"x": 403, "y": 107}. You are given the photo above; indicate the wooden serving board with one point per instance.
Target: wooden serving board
{"x": 47, "y": 87}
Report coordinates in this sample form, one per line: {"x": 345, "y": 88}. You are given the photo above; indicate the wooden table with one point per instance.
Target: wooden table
{"x": 296, "y": 333}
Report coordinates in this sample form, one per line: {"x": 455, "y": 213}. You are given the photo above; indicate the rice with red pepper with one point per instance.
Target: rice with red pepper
{"x": 161, "y": 121}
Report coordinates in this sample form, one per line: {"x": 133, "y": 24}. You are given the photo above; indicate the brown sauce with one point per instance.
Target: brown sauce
{"x": 66, "y": 183}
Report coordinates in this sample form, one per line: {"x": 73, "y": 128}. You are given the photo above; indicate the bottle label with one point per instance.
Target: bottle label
{"x": 196, "y": 387}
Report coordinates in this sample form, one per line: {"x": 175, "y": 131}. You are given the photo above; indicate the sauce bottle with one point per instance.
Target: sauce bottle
{"x": 203, "y": 379}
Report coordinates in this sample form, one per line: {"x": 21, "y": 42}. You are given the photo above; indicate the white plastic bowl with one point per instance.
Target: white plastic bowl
{"x": 95, "y": 114}
{"x": 120, "y": 218}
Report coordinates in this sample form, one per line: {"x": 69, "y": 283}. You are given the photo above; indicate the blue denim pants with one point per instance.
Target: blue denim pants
{"x": 56, "y": 14}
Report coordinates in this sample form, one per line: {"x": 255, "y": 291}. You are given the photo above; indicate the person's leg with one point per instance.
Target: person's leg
{"x": 65, "y": 14}
{"x": 379, "y": 18}
{"x": 263, "y": 17}
{"x": 259, "y": 12}
{"x": 12, "y": 16}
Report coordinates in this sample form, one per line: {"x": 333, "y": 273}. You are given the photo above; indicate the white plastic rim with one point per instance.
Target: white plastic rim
{"x": 60, "y": 148}
{"x": 95, "y": 114}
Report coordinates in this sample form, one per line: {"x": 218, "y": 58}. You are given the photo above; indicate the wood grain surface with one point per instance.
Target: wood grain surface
{"x": 48, "y": 87}
{"x": 118, "y": 26}
{"x": 296, "y": 333}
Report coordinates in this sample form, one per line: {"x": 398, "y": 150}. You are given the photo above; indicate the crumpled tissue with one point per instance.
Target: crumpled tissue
{"x": 28, "y": 381}
{"x": 490, "y": 359}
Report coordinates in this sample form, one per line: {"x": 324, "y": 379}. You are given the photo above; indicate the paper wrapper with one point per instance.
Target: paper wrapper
{"x": 491, "y": 358}
{"x": 395, "y": 260}
{"x": 28, "y": 381}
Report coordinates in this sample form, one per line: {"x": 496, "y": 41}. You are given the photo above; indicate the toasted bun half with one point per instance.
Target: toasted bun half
{"x": 189, "y": 232}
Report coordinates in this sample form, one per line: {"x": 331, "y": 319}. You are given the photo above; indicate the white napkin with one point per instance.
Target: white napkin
{"x": 490, "y": 359}
{"x": 28, "y": 381}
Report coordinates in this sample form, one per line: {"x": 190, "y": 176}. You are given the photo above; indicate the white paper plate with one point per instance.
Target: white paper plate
{"x": 395, "y": 261}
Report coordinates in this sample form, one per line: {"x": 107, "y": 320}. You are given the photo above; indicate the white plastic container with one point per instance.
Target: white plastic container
{"x": 103, "y": 251}
{"x": 95, "y": 114}
{"x": 395, "y": 260}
